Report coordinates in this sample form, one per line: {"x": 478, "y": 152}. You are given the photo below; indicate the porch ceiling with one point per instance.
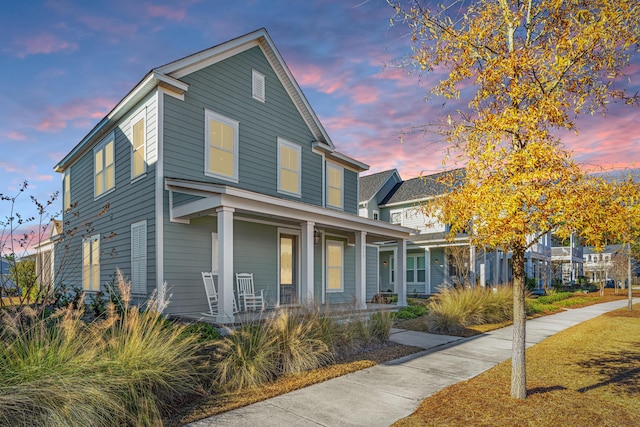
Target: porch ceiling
{"x": 255, "y": 205}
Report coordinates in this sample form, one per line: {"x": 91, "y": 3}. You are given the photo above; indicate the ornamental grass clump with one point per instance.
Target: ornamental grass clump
{"x": 123, "y": 370}
{"x": 453, "y": 310}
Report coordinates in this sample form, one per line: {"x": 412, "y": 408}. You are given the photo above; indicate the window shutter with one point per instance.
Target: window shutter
{"x": 139, "y": 257}
{"x": 258, "y": 91}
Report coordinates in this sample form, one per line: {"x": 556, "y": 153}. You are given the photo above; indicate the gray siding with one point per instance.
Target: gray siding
{"x": 351, "y": 192}
{"x": 349, "y": 292}
{"x": 437, "y": 271}
{"x": 225, "y": 88}
{"x": 372, "y": 272}
{"x": 112, "y": 214}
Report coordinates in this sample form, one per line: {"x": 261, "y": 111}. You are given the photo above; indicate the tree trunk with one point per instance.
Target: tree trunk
{"x": 518, "y": 363}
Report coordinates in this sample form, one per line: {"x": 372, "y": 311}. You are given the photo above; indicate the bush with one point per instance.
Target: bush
{"x": 453, "y": 310}
{"x": 558, "y": 296}
{"x": 205, "y": 332}
{"x": 411, "y": 312}
{"x": 121, "y": 370}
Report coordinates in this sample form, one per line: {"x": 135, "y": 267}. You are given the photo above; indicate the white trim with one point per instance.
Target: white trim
{"x": 340, "y": 244}
{"x": 214, "y": 253}
{"x": 258, "y": 88}
{"x": 235, "y": 125}
{"x": 298, "y": 149}
{"x": 159, "y": 197}
{"x": 340, "y": 170}
{"x": 140, "y": 115}
{"x": 92, "y": 285}
{"x": 66, "y": 190}
{"x": 111, "y": 137}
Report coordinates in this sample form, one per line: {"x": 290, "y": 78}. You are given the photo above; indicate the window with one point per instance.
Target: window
{"x": 258, "y": 89}
{"x": 375, "y": 214}
{"x": 66, "y": 190}
{"x": 415, "y": 269}
{"x": 139, "y": 257}
{"x": 396, "y": 217}
{"x": 104, "y": 166}
{"x": 288, "y": 167}
{"x": 91, "y": 263}
{"x": 221, "y": 156}
{"x": 335, "y": 261}
{"x": 138, "y": 144}
{"x": 335, "y": 178}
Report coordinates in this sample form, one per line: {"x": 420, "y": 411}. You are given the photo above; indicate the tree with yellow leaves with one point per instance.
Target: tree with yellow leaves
{"x": 529, "y": 68}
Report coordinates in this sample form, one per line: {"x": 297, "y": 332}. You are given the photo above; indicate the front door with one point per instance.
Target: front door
{"x": 288, "y": 269}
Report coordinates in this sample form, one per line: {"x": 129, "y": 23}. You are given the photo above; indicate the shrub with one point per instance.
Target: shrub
{"x": 379, "y": 326}
{"x": 558, "y": 296}
{"x": 117, "y": 371}
{"x": 411, "y": 312}
{"x": 205, "y": 332}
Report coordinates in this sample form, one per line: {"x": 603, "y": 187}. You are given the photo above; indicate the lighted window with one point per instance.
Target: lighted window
{"x": 91, "y": 263}
{"x": 335, "y": 179}
{"x": 104, "y": 166}
{"x": 138, "y": 143}
{"x": 335, "y": 265}
{"x": 221, "y": 156}
{"x": 289, "y": 167}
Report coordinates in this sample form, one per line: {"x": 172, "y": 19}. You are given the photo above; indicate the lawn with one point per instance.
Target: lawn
{"x": 587, "y": 375}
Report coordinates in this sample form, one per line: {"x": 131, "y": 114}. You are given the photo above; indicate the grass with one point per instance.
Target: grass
{"x": 586, "y": 375}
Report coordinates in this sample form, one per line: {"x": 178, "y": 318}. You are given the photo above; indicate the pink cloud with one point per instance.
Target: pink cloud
{"x": 115, "y": 28}
{"x": 16, "y": 135}
{"x": 76, "y": 113}
{"x": 167, "y": 12}
{"x": 365, "y": 94}
{"x": 43, "y": 44}
{"x": 317, "y": 78}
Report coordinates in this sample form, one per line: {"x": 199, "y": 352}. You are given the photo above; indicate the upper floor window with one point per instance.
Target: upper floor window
{"x": 104, "y": 166}
{"x": 258, "y": 89}
{"x": 289, "y": 175}
{"x": 221, "y": 149}
{"x": 66, "y": 190}
{"x": 396, "y": 217}
{"x": 375, "y": 214}
{"x": 335, "y": 180}
{"x": 138, "y": 145}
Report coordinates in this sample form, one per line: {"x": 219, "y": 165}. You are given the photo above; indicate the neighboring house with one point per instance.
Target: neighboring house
{"x": 432, "y": 261}
{"x": 567, "y": 261}
{"x": 45, "y": 255}
{"x": 216, "y": 162}
{"x": 608, "y": 264}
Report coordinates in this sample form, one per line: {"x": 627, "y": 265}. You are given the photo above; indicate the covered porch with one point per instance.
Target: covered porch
{"x": 320, "y": 253}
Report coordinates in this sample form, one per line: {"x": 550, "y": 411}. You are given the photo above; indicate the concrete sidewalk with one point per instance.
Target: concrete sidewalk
{"x": 383, "y": 394}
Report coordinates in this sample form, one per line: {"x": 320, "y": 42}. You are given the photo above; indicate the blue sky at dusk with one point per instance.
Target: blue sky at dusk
{"x": 65, "y": 64}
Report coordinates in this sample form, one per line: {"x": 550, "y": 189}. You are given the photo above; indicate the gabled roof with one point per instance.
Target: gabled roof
{"x": 168, "y": 77}
{"x": 371, "y": 184}
{"x": 608, "y": 249}
{"x": 423, "y": 187}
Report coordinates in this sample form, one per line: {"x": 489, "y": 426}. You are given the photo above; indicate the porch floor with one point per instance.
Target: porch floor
{"x": 248, "y": 317}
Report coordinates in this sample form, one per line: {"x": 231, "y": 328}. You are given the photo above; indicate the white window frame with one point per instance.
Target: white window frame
{"x": 102, "y": 147}
{"x": 142, "y": 115}
{"x": 66, "y": 190}
{"x": 139, "y": 258}
{"x": 416, "y": 269}
{"x": 91, "y": 251}
{"x": 340, "y": 244}
{"x": 394, "y": 213}
{"x": 295, "y": 147}
{"x": 376, "y": 215}
{"x": 258, "y": 89}
{"x": 208, "y": 116}
{"x": 329, "y": 186}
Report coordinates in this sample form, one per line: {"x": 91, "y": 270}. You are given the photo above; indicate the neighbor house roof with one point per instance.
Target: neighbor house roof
{"x": 168, "y": 77}
{"x": 371, "y": 184}
{"x": 423, "y": 187}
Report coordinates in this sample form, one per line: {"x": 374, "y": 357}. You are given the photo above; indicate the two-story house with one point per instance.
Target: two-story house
{"x": 216, "y": 162}
{"x": 433, "y": 261}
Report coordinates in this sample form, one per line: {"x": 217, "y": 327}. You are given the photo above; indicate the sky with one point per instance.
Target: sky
{"x": 64, "y": 64}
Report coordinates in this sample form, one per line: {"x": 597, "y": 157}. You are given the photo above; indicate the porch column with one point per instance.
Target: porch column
{"x": 496, "y": 268}
{"x": 225, "y": 265}
{"x": 427, "y": 270}
{"x": 401, "y": 273}
{"x": 361, "y": 270}
{"x": 306, "y": 264}
{"x": 472, "y": 265}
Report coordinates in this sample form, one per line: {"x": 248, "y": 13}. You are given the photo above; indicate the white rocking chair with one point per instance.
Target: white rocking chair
{"x": 249, "y": 299}
{"x": 212, "y": 294}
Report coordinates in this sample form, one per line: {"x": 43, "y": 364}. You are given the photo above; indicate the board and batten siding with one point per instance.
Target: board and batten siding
{"x": 111, "y": 214}
{"x": 372, "y": 272}
{"x": 225, "y": 88}
{"x": 350, "y": 192}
